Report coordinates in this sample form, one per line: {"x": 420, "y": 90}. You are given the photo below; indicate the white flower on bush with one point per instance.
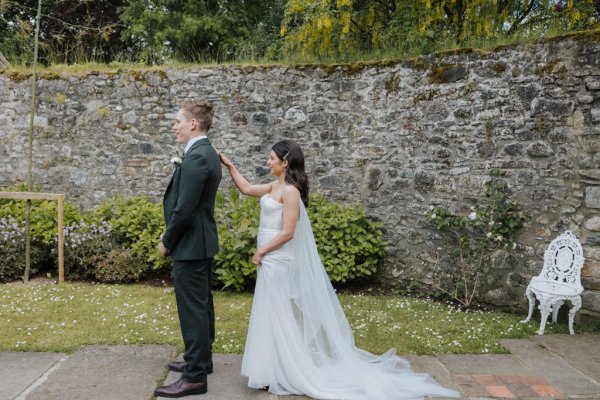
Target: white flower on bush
{"x": 176, "y": 160}
{"x": 489, "y": 234}
{"x": 499, "y": 238}
{"x": 473, "y": 216}
{"x": 433, "y": 216}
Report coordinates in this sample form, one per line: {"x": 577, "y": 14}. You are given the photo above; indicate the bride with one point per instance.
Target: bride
{"x": 299, "y": 340}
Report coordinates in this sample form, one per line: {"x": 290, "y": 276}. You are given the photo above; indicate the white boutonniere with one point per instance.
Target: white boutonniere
{"x": 176, "y": 160}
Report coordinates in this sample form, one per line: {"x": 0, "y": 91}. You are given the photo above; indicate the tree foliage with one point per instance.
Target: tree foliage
{"x": 194, "y": 30}
{"x": 152, "y": 31}
{"x": 322, "y": 28}
{"x": 70, "y": 30}
{"x": 159, "y": 31}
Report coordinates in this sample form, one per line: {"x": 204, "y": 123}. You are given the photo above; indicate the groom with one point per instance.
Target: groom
{"x": 191, "y": 241}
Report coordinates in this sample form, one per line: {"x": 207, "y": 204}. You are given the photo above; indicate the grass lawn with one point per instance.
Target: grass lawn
{"x": 61, "y": 318}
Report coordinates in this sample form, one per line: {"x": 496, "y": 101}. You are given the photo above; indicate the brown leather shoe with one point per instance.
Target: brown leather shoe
{"x": 178, "y": 366}
{"x": 181, "y": 388}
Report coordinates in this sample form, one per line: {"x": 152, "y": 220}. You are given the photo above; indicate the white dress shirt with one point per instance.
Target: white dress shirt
{"x": 192, "y": 141}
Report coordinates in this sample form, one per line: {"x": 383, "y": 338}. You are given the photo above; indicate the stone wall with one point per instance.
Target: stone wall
{"x": 395, "y": 136}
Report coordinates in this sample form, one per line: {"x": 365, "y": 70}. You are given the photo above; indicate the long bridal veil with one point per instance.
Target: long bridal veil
{"x": 327, "y": 336}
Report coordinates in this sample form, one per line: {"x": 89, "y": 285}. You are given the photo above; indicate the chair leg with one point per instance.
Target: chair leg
{"x": 576, "y": 306}
{"x": 529, "y": 295}
{"x": 555, "y": 308}
{"x": 545, "y": 310}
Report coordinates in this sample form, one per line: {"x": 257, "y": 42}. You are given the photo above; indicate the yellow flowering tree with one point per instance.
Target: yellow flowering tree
{"x": 487, "y": 19}
{"x": 317, "y": 28}
{"x": 333, "y": 28}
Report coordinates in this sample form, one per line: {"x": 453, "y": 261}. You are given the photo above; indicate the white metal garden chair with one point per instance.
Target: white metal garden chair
{"x": 559, "y": 280}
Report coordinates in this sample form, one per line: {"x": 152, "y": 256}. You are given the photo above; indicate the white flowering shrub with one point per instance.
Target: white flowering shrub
{"x": 471, "y": 239}
{"x": 43, "y": 215}
{"x": 43, "y": 218}
{"x": 12, "y": 250}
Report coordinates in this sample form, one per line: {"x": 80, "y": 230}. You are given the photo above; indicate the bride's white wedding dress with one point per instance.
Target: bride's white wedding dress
{"x": 299, "y": 341}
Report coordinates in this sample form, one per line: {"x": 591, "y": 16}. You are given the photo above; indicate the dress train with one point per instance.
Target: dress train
{"x": 299, "y": 340}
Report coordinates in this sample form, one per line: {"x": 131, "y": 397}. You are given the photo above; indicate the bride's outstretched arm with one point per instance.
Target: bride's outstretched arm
{"x": 242, "y": 184}
{"x": 291, "y": 207}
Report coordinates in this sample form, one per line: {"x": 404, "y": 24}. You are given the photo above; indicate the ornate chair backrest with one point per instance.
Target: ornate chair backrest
{"x": 563, "y": 260}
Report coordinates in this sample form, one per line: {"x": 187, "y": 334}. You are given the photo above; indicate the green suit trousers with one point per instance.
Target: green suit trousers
{"x": 192, "y": 280}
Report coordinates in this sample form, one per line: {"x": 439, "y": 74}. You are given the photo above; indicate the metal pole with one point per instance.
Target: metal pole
{"x": 30, "y": 149}
{"x": 61, "y": 239}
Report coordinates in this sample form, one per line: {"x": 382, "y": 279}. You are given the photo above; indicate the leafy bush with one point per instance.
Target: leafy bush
{"x": 12, "y": 250}
{"x": 84, "y": 245}
{"x": 116, "y": 242}
{"x": 137, "y": 223}
{"x": 44, "y": 226}
{"x": 118, "y": 266}
{"x": 349, "y": 243}
{"x": 237, "y": 220}
{"x": 134, "y": 223}
{"x": 43, "y": 216}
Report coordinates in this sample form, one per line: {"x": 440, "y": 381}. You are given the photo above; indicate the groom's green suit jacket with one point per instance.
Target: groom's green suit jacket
{"x": 189, "y": 204}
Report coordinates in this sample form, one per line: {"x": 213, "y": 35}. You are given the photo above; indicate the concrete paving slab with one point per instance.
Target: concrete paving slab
{"x": 564, "y": 377}
{"x": 438, "y": 371}
{"x": 432, "y": 366}
{"x": 581, "y": 351}
{"x": 226, "y": 382}
{"x": 107, "y": 372}
{"x": 484, "y": 364}
{"x": 19, "y": 370}
{"x": 133, "y": 372}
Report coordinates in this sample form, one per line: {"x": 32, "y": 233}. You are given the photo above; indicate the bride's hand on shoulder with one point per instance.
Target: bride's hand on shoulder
{"x": 224, "y": 160}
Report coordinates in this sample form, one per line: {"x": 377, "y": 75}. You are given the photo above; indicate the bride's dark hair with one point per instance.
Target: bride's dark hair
{"x": 290, "y": 151}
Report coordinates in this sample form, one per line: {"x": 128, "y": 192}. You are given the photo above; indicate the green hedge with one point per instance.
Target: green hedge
{"x": 137, "y": 223}
{"x": 350, "y": 244}
{"x": 237, "y": 221}
{"x": 43, "y": 215}
{"x": 116, "y": 242}
{"x": 43, "y": 234}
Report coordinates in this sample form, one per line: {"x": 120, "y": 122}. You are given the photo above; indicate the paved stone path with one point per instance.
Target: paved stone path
{"x": 542, "y": 367}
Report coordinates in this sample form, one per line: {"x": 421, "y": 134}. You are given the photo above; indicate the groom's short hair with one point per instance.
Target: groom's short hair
{"x": 201, "y": 111}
